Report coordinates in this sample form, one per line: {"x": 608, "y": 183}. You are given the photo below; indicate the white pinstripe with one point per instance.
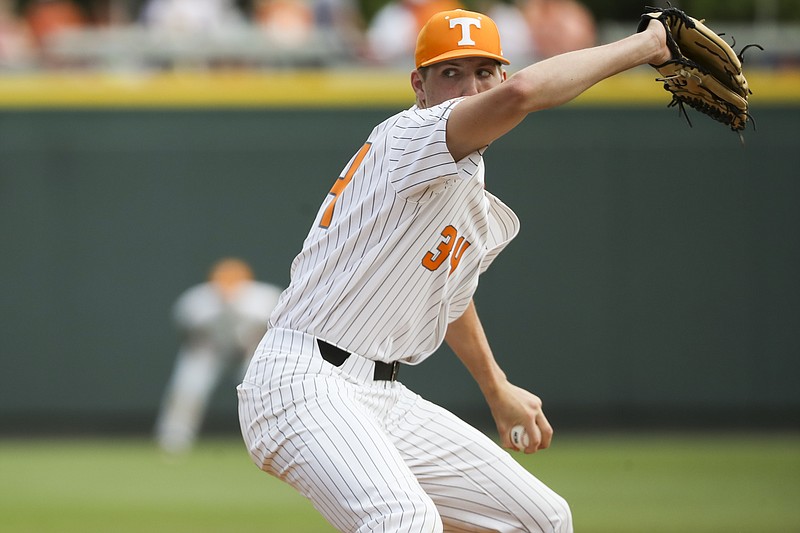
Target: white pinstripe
{"x": 371, "y": 455}
{"x": 359, "y": 282}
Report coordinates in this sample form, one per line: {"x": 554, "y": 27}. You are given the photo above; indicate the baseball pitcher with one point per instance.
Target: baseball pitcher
{"x": 386, "y": 274}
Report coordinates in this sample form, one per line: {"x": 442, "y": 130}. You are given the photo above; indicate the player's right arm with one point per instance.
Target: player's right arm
{"x": 485, "y": 117}
{"x": 510, "y": 405}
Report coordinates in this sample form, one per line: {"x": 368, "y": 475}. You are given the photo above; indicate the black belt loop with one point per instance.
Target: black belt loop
{"x": 336, "y": 356}
{"x": 332, "y": 354}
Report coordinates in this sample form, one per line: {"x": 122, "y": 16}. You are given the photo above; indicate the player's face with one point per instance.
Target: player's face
{"x": 455, "y": 78}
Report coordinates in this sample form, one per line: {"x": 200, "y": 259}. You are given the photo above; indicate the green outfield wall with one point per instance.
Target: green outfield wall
{"x": 656, "y": 279}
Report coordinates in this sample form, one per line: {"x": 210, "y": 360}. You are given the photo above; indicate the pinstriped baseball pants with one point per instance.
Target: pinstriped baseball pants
{"x": 373, "y": 456}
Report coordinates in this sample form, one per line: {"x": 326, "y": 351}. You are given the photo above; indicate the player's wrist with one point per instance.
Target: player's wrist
{"x": 494, "y": 389}
{"x": 660, "y": 52}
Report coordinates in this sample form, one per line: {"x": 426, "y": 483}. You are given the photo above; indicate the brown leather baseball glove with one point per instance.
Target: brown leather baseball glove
{"x": 704, "y": 72}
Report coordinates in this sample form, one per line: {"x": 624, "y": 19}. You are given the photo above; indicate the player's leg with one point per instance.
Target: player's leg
{"x": 318, "y": 434}
{"x": 476, "y": 485}
{"x": 193, "y": 379}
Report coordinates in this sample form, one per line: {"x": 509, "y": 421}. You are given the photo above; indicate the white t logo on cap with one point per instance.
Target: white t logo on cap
{"x": 465, "y": 23}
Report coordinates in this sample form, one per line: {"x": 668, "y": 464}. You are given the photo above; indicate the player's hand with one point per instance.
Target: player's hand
{"x": 512, "y": 406}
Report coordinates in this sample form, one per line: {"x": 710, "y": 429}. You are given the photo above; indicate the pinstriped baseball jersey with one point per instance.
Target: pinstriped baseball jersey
{"x": 396, "y": 249}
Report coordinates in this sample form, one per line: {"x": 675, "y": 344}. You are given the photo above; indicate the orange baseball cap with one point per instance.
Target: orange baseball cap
{"x": 458, "y": 33}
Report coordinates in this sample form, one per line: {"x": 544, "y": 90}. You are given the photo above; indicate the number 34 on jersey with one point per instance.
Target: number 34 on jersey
{"x": 451, "y": 246}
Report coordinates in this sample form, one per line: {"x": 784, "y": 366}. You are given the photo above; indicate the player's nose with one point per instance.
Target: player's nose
{"x": 470, "y": 87}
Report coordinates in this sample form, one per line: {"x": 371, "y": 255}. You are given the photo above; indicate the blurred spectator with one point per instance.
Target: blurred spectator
{"x": 290, "y": 22}
{"x": 196, "y": 34}
{"x": 342, "y": 17}
{"x": 517, "y": 37}
{"x": 392, "y": 34}
{"x": 221, "y": 322}
{"x": 533, "y": 30}
{"x": 191, "y": 16}
{"x": 16, "y": 42}
{"x": 110, "y": 13}
{"x": 296, "y": 23}
{"x": 47, "y": 19}
{"x": 559, "y": 26}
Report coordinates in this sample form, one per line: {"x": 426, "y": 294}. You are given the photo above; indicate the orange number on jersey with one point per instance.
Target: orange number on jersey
{"x": 451, "y": 246}
{"x": 341, "y": 183}
{"x": 455, "y": 257}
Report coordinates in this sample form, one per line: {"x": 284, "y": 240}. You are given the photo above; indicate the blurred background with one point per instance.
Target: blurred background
{"x": 652, "y": 298}
{"x": 655, "y": 283}
{"x": 136, "y": 35}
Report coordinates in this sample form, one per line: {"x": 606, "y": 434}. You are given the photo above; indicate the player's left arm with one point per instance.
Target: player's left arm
{"x": 483, "y": 118}
{"x": 510, "y": 405}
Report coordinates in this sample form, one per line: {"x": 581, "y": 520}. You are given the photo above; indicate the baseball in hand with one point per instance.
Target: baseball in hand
{"x": 519, "y": 438}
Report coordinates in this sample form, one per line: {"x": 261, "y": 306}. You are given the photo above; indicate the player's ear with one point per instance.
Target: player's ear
{"x": 417, "y": 84}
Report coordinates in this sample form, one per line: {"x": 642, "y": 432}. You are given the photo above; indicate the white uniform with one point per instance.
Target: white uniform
{"x": 217, "y": 333}
{"x": 393, "y": 257}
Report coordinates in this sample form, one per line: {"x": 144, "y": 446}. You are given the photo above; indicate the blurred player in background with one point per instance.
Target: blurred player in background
{"x": 220, "y": 322}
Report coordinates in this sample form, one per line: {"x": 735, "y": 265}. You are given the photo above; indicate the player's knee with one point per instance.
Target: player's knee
{"x": 418, "y": 514}
{"x": 554, "y": 516}
{"x": 560, "y": 517}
